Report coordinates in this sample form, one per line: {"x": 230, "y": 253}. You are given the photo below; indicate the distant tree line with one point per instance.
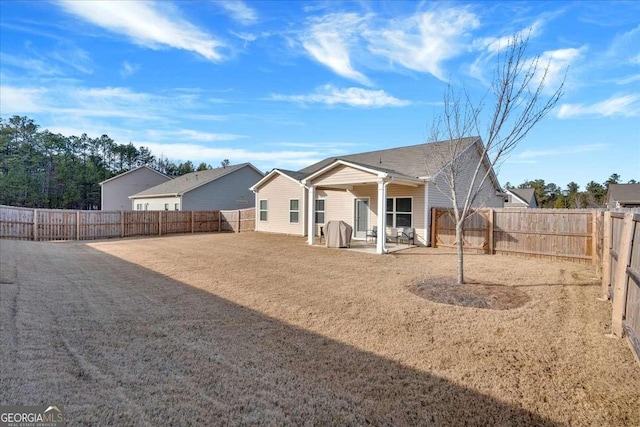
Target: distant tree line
{"x": 552, "y": 196}
{"x": 45, "y": 170}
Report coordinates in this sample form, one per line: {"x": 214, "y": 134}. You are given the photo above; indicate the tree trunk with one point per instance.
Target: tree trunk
{"x": 460, "y": 252}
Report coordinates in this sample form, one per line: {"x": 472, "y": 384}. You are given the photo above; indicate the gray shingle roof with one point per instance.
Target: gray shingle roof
{"x": 524, "y": 193}
{"x": 133, "y": 170}
{"x": 624, "y": 193}
{"x": 188, "y": 182}
{"x": 293, "y": 174}
{"x": 412, "y": 161}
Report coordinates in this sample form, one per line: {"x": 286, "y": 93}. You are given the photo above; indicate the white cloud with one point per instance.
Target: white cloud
{"x": 622, "y": 105}
{"x": 239, "y": 11}
{"x": 262, "y": 159}
{"x": 529, "y": 156}
{"x": 15, "y": 100}
{"x": 556, "y": 63}
{"x": 495, "y": 45}
{"x": 353, "y": 96}
{"x": 128, "y": 69}
{"x": 194, "y": 135}
{"x": 328, "y": 41}
{"x": 420, "y": 42}
{"x": 424, "y": 41}
{"x": 152, "y": 25}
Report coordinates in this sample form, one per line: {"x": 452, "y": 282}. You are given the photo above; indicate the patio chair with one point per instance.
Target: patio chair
{"x": 372, "y": 234}
{"x": 407, "y": 234}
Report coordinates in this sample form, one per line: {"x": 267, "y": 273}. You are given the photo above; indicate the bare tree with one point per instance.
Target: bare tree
{"x": 517, "y": 97}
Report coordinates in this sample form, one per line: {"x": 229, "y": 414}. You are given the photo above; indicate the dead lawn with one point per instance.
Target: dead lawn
{"x": 225, "y": 329}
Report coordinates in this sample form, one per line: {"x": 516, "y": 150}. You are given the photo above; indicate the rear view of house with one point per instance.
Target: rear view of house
{"x": 394, "y": 188}
{"x": 115, "y": 191}
{"x": 213, "y": 189}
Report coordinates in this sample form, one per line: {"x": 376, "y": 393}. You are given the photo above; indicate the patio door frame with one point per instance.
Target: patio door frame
{"x": 356, "y": 202}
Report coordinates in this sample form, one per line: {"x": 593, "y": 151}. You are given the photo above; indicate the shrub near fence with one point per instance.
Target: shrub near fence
{"x": 58, "y": 224}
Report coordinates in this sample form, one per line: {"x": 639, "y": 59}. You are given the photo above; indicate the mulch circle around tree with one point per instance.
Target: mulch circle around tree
{"x": 445, "y": 290}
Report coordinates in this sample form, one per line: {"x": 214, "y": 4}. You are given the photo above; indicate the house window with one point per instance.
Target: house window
{"x": 399, "y": 212}
{"x": 166, "y": 206}
{"x": 294, "y": 210}
{"x": 320, "y": 209}
{"x": 176, "y": 207}
{"x": 139, "y": 206}
{"x": 263, "y": 210}
{"x": 146, "y": 206}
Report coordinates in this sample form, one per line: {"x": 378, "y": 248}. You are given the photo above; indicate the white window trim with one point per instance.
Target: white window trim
{"x": 315, "y": 210}
{"x": 266, "y": 210}
{"x": 291, "y": 211}
{"x": 394, "y": 210}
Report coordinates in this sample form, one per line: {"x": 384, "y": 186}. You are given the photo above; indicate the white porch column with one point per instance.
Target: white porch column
{"x": 382, "y": 217}
{"x": 311, "y": 220}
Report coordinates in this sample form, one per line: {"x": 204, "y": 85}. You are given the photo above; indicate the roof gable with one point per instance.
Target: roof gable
{"x": 414, "y": 161}
{"x": 294, "y": 176}
{"x": 191, "y": 181}
{"x": 130, "y": 171}
{"x": 624, "y": 193}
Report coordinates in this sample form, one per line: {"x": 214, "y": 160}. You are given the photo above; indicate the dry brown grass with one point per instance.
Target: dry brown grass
{"x": 262, "y": 329}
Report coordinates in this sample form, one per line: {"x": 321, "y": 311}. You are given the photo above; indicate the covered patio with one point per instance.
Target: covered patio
{"x": 366, "y": 190}
{"x": 367, "y": 247}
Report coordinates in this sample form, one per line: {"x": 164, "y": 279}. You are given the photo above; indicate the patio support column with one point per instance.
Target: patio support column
{"x": 311, "y": 218}
{"x": 382, "y": 216}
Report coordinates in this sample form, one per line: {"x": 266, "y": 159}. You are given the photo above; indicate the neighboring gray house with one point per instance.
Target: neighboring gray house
{"x": 390, "y": 188}
{"x": 212, "y": 189}
{"x": 520, "y": 198}
{"x": 115, "y": 191}
{"x": 623, "y": 196}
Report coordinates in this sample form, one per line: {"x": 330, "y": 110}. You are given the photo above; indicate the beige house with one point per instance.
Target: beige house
{"x": 115, "y": 191}
{"x": 386, "y": 189}
{"x": 213, "y": 189}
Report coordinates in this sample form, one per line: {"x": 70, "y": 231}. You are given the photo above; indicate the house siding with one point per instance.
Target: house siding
{"x": 230, "y": 191}
{"x": 342, "y": 174}
{"x": 115, "y": 193}
{"x": 439, "y": 189}
{"x": 340, "y": 205}
{"x": 278, "y": 191}
{"x": 157, "y": 203}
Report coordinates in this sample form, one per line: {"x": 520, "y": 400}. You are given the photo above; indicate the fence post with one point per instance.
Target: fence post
{"x": 77, "y": 225}
{"x": 192, "y": 223}
{"x": 594, "y": 236}
{"x": 239, "y": 222}
{"x": 219, "y": 221}
{"x": 35, "y": 224}
{"x": 606, "y": 255}
{"x": 434, "y": 226}
{"x": 160, "y": 223}
{"x": 620, "y": 278}
{"x": 490, "y": 219}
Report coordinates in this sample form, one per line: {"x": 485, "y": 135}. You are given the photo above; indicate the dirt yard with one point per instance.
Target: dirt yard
{"x": 257, "y": 329}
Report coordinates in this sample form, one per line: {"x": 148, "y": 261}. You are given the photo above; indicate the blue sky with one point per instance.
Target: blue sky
{"x": 284, "y": 84}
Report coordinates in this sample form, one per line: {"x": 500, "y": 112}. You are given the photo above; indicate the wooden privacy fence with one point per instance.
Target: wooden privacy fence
{"x": 562, "y": 234}
{"x": 621, "y": 274}
{"x": 58, "y": 224}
